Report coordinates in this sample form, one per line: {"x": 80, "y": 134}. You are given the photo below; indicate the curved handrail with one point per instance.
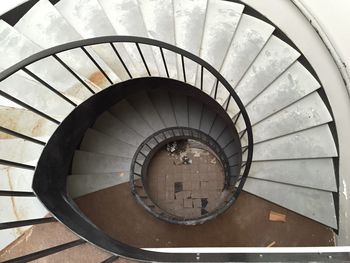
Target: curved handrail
{"x": 83, "y": 44}
{"x": 146, "y": 41}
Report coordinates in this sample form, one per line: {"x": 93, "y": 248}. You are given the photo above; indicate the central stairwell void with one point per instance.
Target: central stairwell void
{"x": 91, "y": 90}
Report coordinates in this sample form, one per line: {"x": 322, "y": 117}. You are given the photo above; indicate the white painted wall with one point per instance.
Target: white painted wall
{"x": 333, "y": 16}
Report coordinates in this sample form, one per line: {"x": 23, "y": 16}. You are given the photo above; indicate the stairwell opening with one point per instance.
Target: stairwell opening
{"x": 186, "y": 179}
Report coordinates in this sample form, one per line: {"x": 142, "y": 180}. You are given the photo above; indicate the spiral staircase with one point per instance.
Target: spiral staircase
{"x": 90, "y": 89}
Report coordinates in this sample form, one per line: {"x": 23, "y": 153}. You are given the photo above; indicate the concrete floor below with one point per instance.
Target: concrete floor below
{"x": 115, "y": 211}
{"x": 245, "y": 224}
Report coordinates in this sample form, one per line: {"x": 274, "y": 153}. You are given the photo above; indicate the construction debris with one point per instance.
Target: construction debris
{"x": 186, "y": 160}
{"x": 277, "y": 217}
{"x": 271, "y": 244}
{"x": 171, "y": 147}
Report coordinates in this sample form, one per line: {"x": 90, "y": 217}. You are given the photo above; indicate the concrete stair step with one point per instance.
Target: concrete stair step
{"x": 89, "y": 20}
{"x": 126, "y": 18}
{"x": 250, "y": 37}
{"x": 25, "y": 122}
{"x": 316, "y": 142}
{"x": 95, "y": 163}
{"x": 194, "y": 113}
{"x": 162, "y": 104}
{"x": 98, "y": 142}
{"x": 189, "y": 16}
{"x": 45, "y": 26}
{"x": 57, "y": 76}
{"x": 306, "y": 113}
{"x": 221, "y": 21}
{"x": 113, "y": 127}
{"x": 315, "y": 204}
{"x": 272, "y": 61}
{"x": 312, "y": 173}
{"x": 158, "y": 16}
{"x": 144, "y": 106}
{"x": 180, "y": 106}
{"x": 294, "y": 84}
{"x": 128, "y": 115}
{"x": 19, "y": 150}
{"x": 82, "y": 184}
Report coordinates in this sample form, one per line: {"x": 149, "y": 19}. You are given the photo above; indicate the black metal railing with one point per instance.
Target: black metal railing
{"x": 145, "y": 152}
{"x": 141, "y": 45}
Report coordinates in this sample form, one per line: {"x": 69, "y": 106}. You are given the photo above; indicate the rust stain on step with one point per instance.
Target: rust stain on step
{"x": 97, "y": 78}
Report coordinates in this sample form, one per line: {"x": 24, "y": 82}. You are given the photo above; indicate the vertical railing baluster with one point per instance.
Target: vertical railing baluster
{"x": 202, "y": 77}
{"x": 216, "y": 89}
{"x": 183, "y": 68}
{"x": 240, "y": 137}
{"x": 238, "y": 115}
{"x": 22, "y": 136}
{"x": 143, "y": 59}
{"x": 228, "y": 102}
{"x": 30, "y": 108}
{"x": 42, "y": 82}
{"x": 164, "y": 62}
{"x": 73, "y": 73}
{"x": 121, "y": 60}
{"x": 97, "y": 65}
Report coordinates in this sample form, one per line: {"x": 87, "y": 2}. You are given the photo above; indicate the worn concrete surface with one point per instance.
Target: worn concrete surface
{"x": 188, "y": 190}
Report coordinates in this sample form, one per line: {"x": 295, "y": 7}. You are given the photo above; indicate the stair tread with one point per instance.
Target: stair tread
{"x": 92, "y": 163}
{"x": 306, "y": 113}
{"x": 82, "y": 184}
{"x": 207, "y": 120}
{"x": 312, "y": 173}
{"x": 162, "y": 103}
{"x": 250, "y": 37}
{"x": 295, "y": 83}
{"x": 57, "y": 77}
{"x": 221, "y": 21}
{"x": 144, "y": 106}
{"x": 98, "y": 142}
{"x": 158, "y": 16}
{"x": 15, "y": 179}
{"x": 316, "y": 142}
{"x": 45, "y": 26}
{"x": 315, "y": 204}
{"x": 272, "y": 61}
{"x": 90, "y": 20}
{"x": 189, "y": 25}
{"x": 194, "y": 113}
{"x": 126, "y": 18}
{"x": 111, "y": 126}
{"x": 128, "y": 115}
{"x": 26, "y": 122}
{"x": 218, "y": 127}
{"x": 19, "y": 150}
{"x": 37, "y": 96}
{"x": 180, "y": 106}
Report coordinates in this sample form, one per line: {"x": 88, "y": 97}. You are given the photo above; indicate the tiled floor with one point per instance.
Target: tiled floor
{"x": 186, "y": 189}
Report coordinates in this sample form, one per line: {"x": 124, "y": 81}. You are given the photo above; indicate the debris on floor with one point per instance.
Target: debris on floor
{"x": 183, "y": 184}
{"x": 171, "y": 147}
{"x": 277, "y": 217}
{"x": 186, "y": 160}
{"x": 271, "y": 244}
